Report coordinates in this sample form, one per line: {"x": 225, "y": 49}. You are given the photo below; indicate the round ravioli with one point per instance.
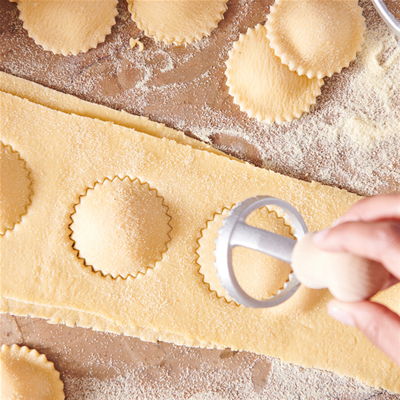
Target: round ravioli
{"x": 177, "y": 21}
{"x": 26, "y": 374}
{"x": 259, "y": 275}
{"x": 316, "y": 37}
{"x": 68, "y": 26}
{"x": 121, "y": 227}
{"x": 262, "y": 86}
{"x": 16, "y": 190}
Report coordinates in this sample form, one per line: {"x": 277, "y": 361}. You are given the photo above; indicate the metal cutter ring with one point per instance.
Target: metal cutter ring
{"x": 235, "y": 232}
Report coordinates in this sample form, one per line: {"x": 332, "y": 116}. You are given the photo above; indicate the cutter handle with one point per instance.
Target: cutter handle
{"x": 348, "y": 277}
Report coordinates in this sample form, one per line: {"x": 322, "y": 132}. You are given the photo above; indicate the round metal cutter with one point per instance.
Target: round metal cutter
{"x": 236, "y": 232}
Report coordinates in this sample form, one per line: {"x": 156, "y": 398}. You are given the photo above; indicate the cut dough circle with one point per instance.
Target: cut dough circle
{"x": 68, "y": 26}
{"x": 177, "y": 21}
{"x": 316, "y": 38}
{"x": 15, "y": 189}
{"x": 121, "y": 227}
{"x": 26, "y": 374}
{"x": 262, "y": 86}
{"x": 259, "y": 275}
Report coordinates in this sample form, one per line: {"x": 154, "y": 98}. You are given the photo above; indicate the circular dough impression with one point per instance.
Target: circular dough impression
{"x": 314, "y": 37}
{"x": 120, "y": 227}
{"x": 68, "y": 26}
{"x": 259, "y": 275}
{"x": 177, "y": 21}
{"x": 25, "y": 374}
{"x": 15, "y": 189}
{"x": 262, "y": 86}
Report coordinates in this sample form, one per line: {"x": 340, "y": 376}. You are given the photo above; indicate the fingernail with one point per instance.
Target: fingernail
{"x": 341, "y": 315}
{"x": 319, "y": 236}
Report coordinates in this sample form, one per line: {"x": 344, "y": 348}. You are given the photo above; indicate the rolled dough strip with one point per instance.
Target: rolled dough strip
{"x": 171, "y": 297}
{"x": 72, "y": 105}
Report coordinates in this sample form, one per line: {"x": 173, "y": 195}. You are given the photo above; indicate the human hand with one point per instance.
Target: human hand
{"x": 371, "y": 229}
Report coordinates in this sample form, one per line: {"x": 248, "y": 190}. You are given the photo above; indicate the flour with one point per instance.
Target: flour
{"x": 243, "y": 376}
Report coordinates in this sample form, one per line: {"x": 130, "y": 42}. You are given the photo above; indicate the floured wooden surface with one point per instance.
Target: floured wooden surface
{"x": 97, "y": 366}
{"x": 185, "y": 88}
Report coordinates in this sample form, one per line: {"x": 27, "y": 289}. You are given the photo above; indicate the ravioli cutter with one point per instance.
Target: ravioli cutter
{"x": 349, "y": 278}
{"x": 388, "y": 17}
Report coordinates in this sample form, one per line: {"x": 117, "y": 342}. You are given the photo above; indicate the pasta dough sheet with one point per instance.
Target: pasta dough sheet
{"x": 73, "y": 105}
{"x": 67, "y": 154}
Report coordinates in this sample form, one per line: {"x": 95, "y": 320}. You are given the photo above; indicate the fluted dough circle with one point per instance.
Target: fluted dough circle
{"x": 26, "y": 374}
{"x": 177, "y": 21}
{"x": 314, "y": 37}
{"x": 262, "y": 86}
{"x": 15, "y": 188}
{"x": 120, "y": 227}
{"x": 259, "y": 275}
{"x": 68, "y": 26}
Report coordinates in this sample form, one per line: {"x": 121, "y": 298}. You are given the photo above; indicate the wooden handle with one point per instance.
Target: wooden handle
{"x": 348, "y": 277}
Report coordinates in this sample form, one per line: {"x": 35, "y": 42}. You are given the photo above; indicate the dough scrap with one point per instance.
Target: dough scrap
{"x": 16, "y": 189}
{"x": 68, "y": 26}
{"x": 120, "y": 227}
{"x": 177, "y": 21}
{"x": 171, "y": 298}
{"x": 26, "y": 374}
{"x": 133, "y": 42}
{"x": 259, "y": 275}
{"x": 262, "y": 86}
{"x": 316, "y": 38}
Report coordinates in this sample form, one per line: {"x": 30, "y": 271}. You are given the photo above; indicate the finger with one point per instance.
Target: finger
{"x": 378, "y": 241}
{"x": 374, "y": 208}
{"x": 392, "y": 280}
{"x": 379, "y": 324}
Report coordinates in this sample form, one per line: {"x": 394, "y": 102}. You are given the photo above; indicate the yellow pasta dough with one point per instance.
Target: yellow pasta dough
{"x": 259, "y": 275}
{"x": 120, "y": 227}
{"x": 26, "y": 374}
{"x": 316, "y": 37}
{"x": 170, "y": 297}
{"x": 262, "y": 86}
{"x": 73, "y": 105}
{"x": 70, "y": 104}
{"x": 68, "y": 26}
{"x": 177, "y": 21}
{"x": 16, "y": 189}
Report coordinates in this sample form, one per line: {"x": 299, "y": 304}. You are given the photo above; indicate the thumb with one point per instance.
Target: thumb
{"x": 379, "y": 324}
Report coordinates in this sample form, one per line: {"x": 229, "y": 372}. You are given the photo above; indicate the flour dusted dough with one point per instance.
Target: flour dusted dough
{"x": 120, "y": 227}
{"x": 259, "y": 275}
{"x": 262, "y": 86}
{"x": 177, "y": 21}
{"x": 171, "y": 297}
{"x": 26, "y": 374}
{"x": 72, "y": 105}
{"x": 314, "y": 37}
{"x": 68, "y": 26}
{"x": 15, "y": 186}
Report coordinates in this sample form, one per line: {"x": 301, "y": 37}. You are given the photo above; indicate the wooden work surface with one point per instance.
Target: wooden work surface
{"x": 185, "y": 88}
